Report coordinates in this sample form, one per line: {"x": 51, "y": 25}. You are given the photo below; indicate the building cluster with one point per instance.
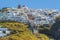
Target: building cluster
{"x": 4, "y": 31}
{"x": 35, "y": 17}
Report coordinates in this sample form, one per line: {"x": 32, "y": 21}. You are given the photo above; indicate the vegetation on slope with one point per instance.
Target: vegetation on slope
{"x": 20, "y": 31}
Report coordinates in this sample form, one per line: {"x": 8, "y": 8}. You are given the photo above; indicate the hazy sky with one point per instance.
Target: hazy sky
{"x": 43, "y": 4}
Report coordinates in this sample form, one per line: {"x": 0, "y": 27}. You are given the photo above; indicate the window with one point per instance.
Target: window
{"x": 4, "y": 32}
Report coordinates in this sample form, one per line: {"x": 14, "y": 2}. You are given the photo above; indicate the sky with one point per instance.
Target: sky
{"x": 35, "y": 4}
